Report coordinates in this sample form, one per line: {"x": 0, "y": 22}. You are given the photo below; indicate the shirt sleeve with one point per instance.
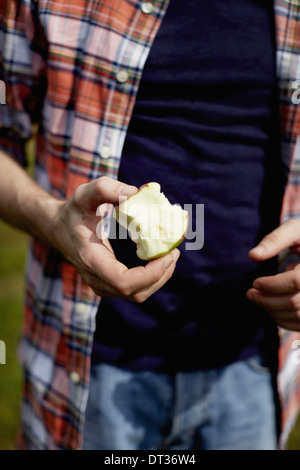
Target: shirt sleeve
{"x": 23, "y": 56}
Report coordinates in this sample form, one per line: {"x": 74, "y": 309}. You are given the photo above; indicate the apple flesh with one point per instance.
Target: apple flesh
{"x": 154, "y": 224}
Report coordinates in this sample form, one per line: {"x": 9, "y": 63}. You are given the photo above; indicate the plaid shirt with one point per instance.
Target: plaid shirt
{"x": 74, "y": 67}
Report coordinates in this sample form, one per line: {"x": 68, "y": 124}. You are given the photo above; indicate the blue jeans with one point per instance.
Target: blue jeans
{"x": 228, "y": 408}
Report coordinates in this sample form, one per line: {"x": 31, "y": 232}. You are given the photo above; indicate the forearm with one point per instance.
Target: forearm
{"x": 70, "y": 226}
{"x": 24, "y": 204}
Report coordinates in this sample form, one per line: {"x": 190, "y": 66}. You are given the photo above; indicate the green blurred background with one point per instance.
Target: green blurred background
{"x": 13, "y": 249}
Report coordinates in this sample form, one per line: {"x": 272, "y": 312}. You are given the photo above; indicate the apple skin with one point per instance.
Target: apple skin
{"x": 162, "y": 251}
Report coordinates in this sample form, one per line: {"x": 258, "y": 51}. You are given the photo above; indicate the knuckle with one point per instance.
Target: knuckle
{"x": 77, "y": 195}
{"x": 139, "y": 297}
{"x": 294, "y": 302}
{"x": 296, "y": 281}
{"x": 100, "y": 182}
{"x": 124, "y": 289}
{"x": 169, "y": 274}
{"x": 272, "y": 238}
{"x": 154, "y": 277}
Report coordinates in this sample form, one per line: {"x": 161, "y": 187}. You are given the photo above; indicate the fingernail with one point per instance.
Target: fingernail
{"x": 172, "y": 258}
{"x": 176, "y": 254}
{"x": 127, "y": 190}
{"x": 250, "y": 294}
{"x": 258, "y": 250}
{"x": 169, "y": 261}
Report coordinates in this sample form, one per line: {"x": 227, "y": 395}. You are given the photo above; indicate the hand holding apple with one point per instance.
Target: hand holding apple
{"x": 74, "y": 234}
{"x": 155, "y": 225}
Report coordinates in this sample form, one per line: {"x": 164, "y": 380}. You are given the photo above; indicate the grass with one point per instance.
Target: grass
{"x": 294, "y": 440}
{"x": 13, "y": 251}
{"x": 13, "y": 247}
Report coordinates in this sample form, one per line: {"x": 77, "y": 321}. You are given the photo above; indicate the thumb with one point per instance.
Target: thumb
{"x": 103, "y": 190}
{"x": 284, "y": 236}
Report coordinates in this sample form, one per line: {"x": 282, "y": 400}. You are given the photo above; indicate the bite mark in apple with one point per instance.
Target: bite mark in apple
{"x": 153, "y": 223}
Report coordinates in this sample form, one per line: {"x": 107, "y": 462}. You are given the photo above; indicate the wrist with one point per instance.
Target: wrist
{"x": 50, "y": 226}
{"x": 41, "y": 213}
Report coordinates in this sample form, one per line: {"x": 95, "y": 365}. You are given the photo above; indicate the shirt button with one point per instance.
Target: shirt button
{"x": 81, "y": 308}
{"x": 122, "y": 76}
{"x": 74, "y": 377}
{"x": 147, "y": 7}
{"x": 40, "y": 388}
{"x": 105, "y": 152}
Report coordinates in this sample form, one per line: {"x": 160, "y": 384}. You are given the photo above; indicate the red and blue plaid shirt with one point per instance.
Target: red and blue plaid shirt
{"x": 74, "y": 67}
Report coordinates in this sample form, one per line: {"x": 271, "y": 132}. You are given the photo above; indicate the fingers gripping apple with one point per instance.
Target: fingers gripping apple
{"x": 154, "y": 224}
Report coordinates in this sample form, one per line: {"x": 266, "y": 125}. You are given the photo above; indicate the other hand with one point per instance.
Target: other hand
{"x": 279, "y": 295}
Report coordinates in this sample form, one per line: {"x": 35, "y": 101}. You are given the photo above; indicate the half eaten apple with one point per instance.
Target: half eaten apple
{"x": 153, "y": 223}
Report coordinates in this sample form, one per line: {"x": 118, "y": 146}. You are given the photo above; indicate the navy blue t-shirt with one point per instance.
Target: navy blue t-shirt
{"x": 205, "y": 127}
